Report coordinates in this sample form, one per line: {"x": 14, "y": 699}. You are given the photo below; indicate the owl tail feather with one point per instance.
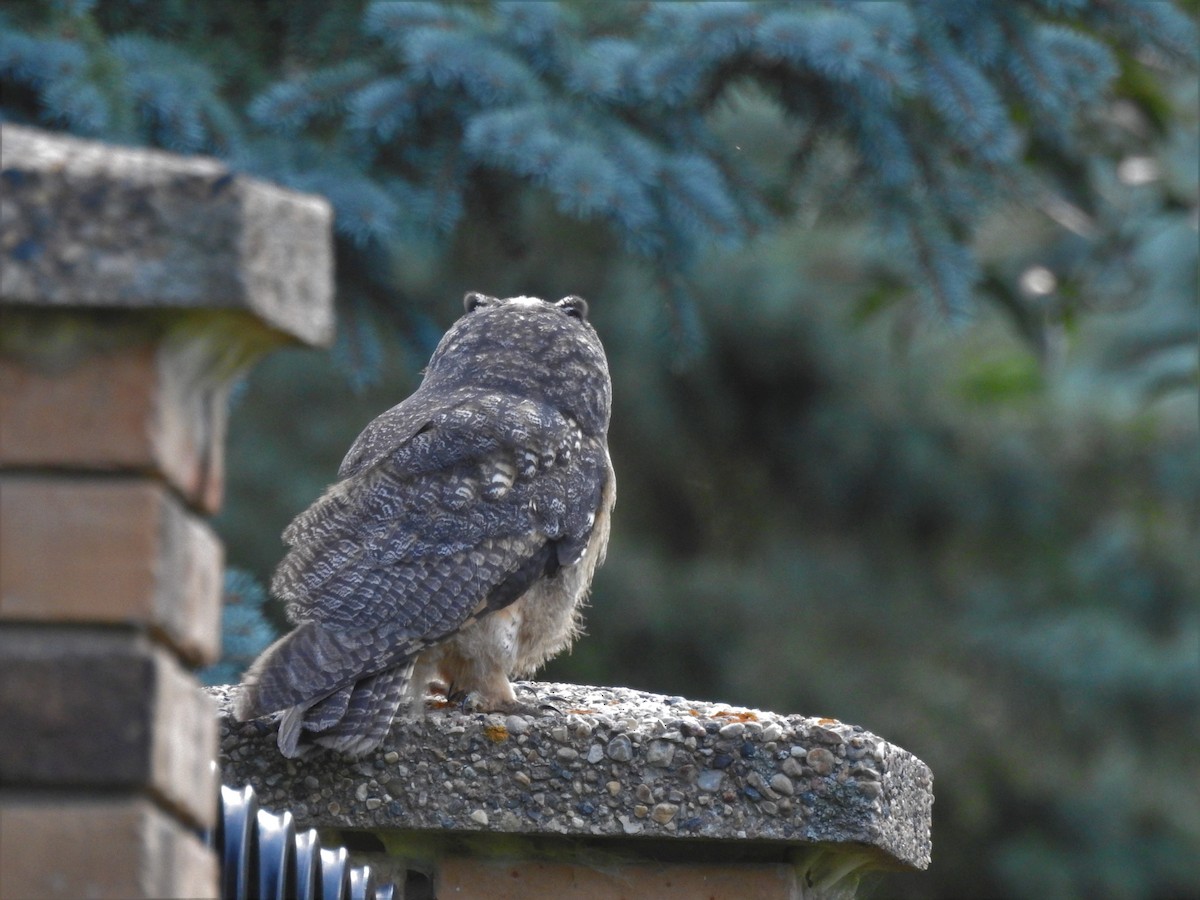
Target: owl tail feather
{"x": 353, "y": 721}
{"x": 368, "y": 716}
{"x": 315, "y": 676}
{"x": 305, "y": 666}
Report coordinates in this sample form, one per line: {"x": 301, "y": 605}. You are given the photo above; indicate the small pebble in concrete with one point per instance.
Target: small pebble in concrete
{"x": 664, "y": 813}
{"x": 619, "y": 749}
{"x": 821, "y": 760}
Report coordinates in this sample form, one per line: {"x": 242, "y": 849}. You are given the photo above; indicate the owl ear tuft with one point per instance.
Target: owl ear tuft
{"x": 575, "y": 307}
{"x": 473, "y": 300}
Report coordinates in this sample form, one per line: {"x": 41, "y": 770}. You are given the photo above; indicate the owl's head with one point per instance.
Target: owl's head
{"x": 530, "y": 348}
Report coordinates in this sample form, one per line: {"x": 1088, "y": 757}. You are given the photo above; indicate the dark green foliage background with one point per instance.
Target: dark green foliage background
{"x": 979, "y": 540}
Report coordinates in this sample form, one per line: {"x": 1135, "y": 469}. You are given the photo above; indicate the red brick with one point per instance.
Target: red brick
{"x": 105, "y": 709}
{"x": 120, "y": 551}
{"x": 99, "y": 848}
{"x": 468, "y": 878}
{"x": 145, "y": 407}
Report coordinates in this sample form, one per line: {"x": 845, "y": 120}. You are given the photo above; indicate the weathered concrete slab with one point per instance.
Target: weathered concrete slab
{"x": 593, "y": 762}
{"x": 88, "y": 224}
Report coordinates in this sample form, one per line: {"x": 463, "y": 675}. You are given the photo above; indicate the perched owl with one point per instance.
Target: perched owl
{"x": 460, "y": 538}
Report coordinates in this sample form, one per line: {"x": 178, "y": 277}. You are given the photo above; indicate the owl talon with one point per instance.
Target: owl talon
{"x": 531, "y": 704}
{"x": 466, "y": 701}
{"x": 534, "y": 710}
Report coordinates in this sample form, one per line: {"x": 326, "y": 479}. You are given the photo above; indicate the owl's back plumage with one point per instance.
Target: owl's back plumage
{"x": 460, "y": 538}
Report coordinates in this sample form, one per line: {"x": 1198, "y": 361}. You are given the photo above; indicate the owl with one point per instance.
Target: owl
{"x": 459, "y": 540}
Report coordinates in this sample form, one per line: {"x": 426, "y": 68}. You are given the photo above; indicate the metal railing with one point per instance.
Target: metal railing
{"x": 263, "y": 857}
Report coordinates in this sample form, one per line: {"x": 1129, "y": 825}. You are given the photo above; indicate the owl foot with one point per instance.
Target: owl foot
{"x": 469, "y": 701}
{"x": 466, "y": 701}
{"x": 475, "y": 702}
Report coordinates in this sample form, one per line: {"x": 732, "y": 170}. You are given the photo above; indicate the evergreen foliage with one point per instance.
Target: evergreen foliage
{"x": 245, "y": 630}
{"x": 981, "y": 545}
{"x": 444, "y": 110}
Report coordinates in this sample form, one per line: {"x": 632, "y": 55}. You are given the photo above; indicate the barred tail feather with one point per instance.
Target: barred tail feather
{"x": 303, "y": 667}
{"x": 352, "y": 721}
{"x": 368, "y": 717}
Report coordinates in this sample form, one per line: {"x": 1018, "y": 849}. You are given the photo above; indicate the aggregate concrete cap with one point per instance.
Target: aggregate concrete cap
{"x": 89, "y": 224}
{"x": 604, "y": 761}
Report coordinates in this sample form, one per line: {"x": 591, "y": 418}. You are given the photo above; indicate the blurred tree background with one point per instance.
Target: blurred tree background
{"x": 900, "y": 300}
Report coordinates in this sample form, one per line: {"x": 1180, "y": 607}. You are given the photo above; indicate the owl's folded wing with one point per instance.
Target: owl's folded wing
{"x": 482, "y": 500}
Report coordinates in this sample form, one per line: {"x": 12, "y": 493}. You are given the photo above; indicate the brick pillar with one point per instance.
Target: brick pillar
{"x": 135, "y": 286}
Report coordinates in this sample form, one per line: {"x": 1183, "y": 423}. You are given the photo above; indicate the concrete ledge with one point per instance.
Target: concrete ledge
{"x": 88, "y": 224}
{"x": 592, "y": 762}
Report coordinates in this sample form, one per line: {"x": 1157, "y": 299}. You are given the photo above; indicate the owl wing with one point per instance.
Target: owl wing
{"x": 475, "y": 503}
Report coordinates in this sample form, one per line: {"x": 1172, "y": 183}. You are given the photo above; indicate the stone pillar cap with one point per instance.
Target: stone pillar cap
{"x": 87, "y": 224}
{"x": 607, "y": 762}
